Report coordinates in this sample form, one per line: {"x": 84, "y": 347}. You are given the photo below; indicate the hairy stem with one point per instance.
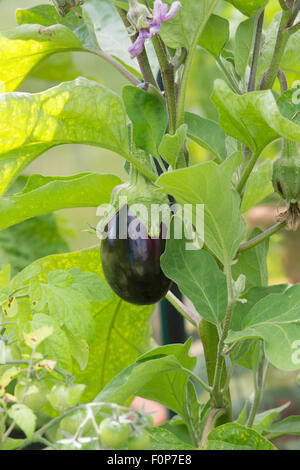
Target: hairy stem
{"x": 256, "y": 51}
{"x": 168, "y": 78}
{"x": 132, "y": 79}
{"x": 261, "y": 237}
{"x": 190, "y": 316}
{"x": 281, "y": 42}
{"x": 258, "y": 385}
{"x": 247, "y": 171}
{"x": 210, "y": 423}
{"x": 217, "y": 394}
{"x": 230, "y": 79}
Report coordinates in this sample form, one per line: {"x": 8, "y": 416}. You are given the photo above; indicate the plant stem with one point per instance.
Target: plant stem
{"x": 247, "y": 171}
{"x": 192, "y": 317}
{"x": 256, "y": 51}
{"x": 230, "y": 79}
{"x": 200, "y": 381}
{"x": 261, "y": 237}
{"x": 132, "y": 79}
{"x": 281, "y": 42}
{"x": 209, "y": 425}
{"x": 217, "y": 394}
{"x": 259, "y": 385}
{"x": 168, "y": 78}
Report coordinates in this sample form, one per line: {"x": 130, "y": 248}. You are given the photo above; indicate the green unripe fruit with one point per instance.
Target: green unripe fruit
{"x": 71, "y": 423}
{"x": 114, "y": 434}
{"x": 140, "y": 440}
{"x": 286, "y": 173}
{"x": 35, "y": 395}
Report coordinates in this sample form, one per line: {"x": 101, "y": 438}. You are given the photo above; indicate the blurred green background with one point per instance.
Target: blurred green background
{"x": 74, "y": 224}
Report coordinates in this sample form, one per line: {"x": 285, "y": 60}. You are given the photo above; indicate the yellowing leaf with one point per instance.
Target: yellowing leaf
{"x": 36, "y": 337}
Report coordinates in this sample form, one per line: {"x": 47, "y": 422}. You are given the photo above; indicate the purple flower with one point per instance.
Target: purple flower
{"x": 160, "y": 15}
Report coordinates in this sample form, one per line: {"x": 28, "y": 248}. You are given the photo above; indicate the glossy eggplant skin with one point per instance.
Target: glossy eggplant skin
{"x": 132, "y": 266}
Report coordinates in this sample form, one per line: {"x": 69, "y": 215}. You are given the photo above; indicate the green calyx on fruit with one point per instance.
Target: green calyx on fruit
{"x": 286, "y": 182}
{"x": 114, "y": 434}
{"x": 142, "y": 197}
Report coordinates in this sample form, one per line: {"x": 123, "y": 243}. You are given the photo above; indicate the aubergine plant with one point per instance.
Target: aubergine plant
{"x": 72, "y": 352}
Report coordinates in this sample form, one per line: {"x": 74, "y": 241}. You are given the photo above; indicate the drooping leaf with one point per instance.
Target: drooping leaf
{"x": 233, "y": 436}
{"x": 210, "y": 184}
{"x": 81, "y": 111}
{"x": 44, "y": 194}
{"x": 275, "y": 319}
{"x": 206, "y": 133}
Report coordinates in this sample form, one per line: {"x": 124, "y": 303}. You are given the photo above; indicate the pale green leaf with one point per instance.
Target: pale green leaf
{"x": 34, "y": 338}
{"x": 24, "y": 417}
{"x": 264, "y": 420}
{"x": 81, "y": 111}
{"x": 46, "y": 194}
{"x": 162, "y": 439}
{"x": 288, "y": 426}
{"x": 122, "y": 330}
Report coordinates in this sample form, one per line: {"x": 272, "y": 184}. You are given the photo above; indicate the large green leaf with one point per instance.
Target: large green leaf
{"x": 210, "y": 184}
{"x": 264, "y": 419}
{"x": 254, "y": 118}
{"x": 46, "y": 194}
{"x": 81, "y": 111}
{"x": 275, "y": 319}
{"x": 159, "y": 375}
{"x": 122, "y": 330}
{"x": 24, "y": 47}
{"x": 248, "y": 7}
{"x": 206, "y": 133}
{"x": 198, "y": 277}
{"x": 233, "y": 436}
